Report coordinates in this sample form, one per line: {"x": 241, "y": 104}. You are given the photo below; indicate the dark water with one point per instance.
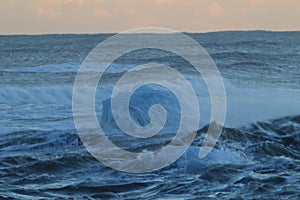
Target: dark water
{"x": 257, "y": 155}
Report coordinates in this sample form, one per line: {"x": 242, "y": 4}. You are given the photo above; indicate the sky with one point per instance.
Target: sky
{"x": 113, "y": 16}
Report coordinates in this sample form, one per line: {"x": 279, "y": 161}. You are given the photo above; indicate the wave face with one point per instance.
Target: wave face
{"x": 257, "y": 155}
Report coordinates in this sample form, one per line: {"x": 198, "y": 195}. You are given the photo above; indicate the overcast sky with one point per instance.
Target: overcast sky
{"x": 96, "y": 16}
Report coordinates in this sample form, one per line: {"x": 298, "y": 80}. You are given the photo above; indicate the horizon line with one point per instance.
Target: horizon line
{"x": 111, "y": 33}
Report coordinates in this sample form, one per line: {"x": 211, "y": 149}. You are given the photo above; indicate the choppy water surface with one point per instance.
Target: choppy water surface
{"x": 257, "y": 155}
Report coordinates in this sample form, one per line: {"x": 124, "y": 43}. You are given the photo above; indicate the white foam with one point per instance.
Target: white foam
{"x": 194, "y": 164}
{"x": 71, "y": 67}
{"x": 243, "y": 105}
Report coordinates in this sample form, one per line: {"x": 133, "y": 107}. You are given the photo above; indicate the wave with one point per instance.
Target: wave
{"x": 69, "y": 67}
{"x": 277, "y": 137}
{"x": 243, "y": 105}
{"x": 36, "y": 95}
{"x": 259, "y": 155}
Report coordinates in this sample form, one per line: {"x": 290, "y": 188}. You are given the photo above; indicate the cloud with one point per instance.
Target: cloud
{"x": 146, "y": 21}
{"x": 256, "y": 2}
{"x": 65, "y": 16}
{"x": 100, "y": 12}
{"x": 216, "y": 10}
{"x": 61, "y": 2}
{"x": 48, "y": 12}
{"x": 159, "y": 2}
{"x": 53, "y": 8}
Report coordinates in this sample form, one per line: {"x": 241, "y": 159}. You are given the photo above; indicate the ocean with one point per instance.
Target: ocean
{"x": 257, "y": 155}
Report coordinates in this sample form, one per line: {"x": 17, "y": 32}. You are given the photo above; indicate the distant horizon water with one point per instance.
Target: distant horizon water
{"x": 116, "y": 32}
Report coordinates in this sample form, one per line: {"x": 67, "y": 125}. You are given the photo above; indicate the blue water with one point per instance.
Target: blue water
{"x": 257, "y": 155}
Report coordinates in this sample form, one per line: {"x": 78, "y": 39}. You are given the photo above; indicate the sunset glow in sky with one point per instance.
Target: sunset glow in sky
{"x": 96, "y": 16}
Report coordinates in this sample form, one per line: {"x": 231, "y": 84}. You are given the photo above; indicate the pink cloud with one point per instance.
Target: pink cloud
{"x": 216, "y": 10}
{"x": 48, "y": 12}
{"x": 100, "y": 12}
{"x": 146, "y": 21}
{"x": 159, "y": 2}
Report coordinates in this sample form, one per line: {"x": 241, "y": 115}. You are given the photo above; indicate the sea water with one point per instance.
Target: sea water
{"x": 257, "y": 155}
